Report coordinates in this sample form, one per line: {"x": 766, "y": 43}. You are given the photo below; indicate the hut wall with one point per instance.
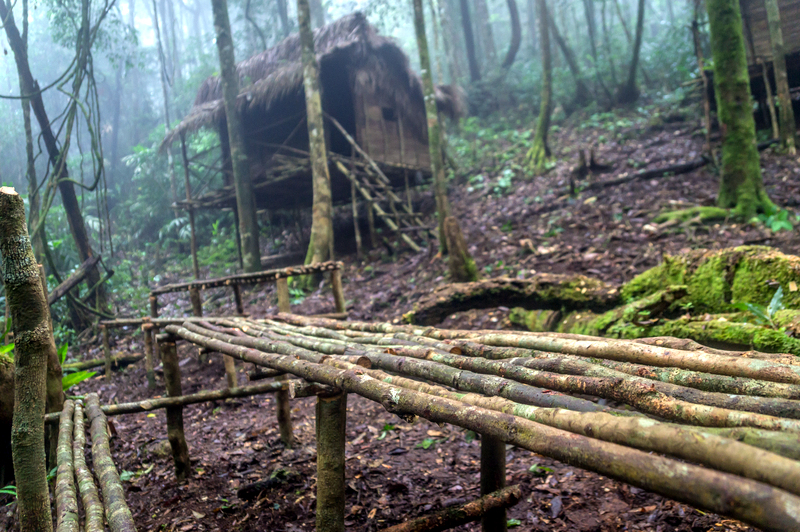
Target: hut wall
{"x": 378, "y": 127}
{"x": 757, "y": 32}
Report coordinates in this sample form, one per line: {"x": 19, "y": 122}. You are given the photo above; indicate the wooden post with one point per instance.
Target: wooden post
{"x": 107, "y": 352}
{"x": 282, "y": 287}
{"x": 197, "y": 301}
{"x": 338, "y": 293}
{"x": 153, "y": 306}
{"x": 330, "y": 427}
{"x": 148, "y": 355}
{"x": 237, "y": 296}
{"x": 175, "y": 434}
{"x": 359, "y": 251}
{"x": 493, "y": 478}
{"x": 373, "y": 237}
{"x": 284, "y": 407}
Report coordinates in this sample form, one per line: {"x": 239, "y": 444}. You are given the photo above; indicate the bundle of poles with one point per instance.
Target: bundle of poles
{"x": 718, "y": 430}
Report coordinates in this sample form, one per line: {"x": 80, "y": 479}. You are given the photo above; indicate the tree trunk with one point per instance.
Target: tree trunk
{"x": 582, "y": 93}
{"x": 245, "y": 197}
{"x": 486, "y": 34}
{"x": 321, "y": 245}
{"x": 629, "y": 92}
{"x": 539, "y": 152}
{"x": 787, "y": 125}
{"x": 283, "y": 13}
{"x": 464, "y": 268}
{"x": 532, "y": 27}
{"x": 741, "y": 187}
{"x": 469, "y": 42}
{"x": 516, "y": 34}
{"x": 33, "y": 340}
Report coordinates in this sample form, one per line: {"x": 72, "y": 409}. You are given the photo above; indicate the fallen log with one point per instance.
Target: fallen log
{"x": 66, "y": 495}
{"x": 462, "y": 514}
{"x": 74, "y": 279}
{"x": 90, "y": 497}
{"x": 545, "y": 290}
{"x": 119, "y": 361}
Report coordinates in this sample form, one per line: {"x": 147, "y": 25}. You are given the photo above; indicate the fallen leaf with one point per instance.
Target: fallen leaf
{"x": 434, "y": 433}
{"x": 792, "y": 286}
{"x": 197, "y": 515}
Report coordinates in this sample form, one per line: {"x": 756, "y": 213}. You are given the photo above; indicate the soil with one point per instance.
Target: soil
{"x": 391, "y": 475}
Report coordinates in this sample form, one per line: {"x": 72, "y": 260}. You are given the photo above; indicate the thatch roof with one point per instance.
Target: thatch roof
{"x": 275, "y": 74}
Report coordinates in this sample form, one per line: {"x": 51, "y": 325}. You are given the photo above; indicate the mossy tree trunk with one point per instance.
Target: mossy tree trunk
{"x": 320, "y": 248}
{"x": 245, "y": 198}
{"x": 469, "y": 42}
{"x": 629, "y": 92}
{"x": 33, "y": 340}
{"x": 741, "y": 187}
{"x": 539, "y": 152}
{"x": 463, "y": 268}
{"x": 787, "y": 125}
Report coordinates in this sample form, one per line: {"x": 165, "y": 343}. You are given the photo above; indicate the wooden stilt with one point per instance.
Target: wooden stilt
{"x": 188, "y": 186}
{"x": 175, "y": 433}
{"x": 373, "y": 237}
{"x": 284, "y": 406}
{"x": 359, "y": 251}
{"x": 197, "y": 301}
{"x": 493, "y": 478}
{"x": 147, "y": 330}
{"x": 230, "y": 371}
{"x": 330, "y": 427}
{"x": 338, "y": 292}
{"x": 237, "y": 296}
{"x": 107, "y": 352}
{"x": 153, "y": 306}
{"x": 282, "y": 288}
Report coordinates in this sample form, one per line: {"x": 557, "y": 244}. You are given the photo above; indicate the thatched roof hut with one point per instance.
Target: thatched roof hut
{"x": 756, "y": 29}
{"x": 367, "y": 86}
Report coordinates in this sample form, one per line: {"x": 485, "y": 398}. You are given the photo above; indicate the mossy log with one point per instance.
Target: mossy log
{"x": 462, "y": 514}
{"x": 544, "y": 291}
{"x": 66, "y": 495}
{"x": 117, "y": 362}
{"x": 90, "y": 497}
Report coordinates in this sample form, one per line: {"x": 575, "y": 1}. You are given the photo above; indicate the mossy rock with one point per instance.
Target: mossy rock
{"x": 716, "y": 280}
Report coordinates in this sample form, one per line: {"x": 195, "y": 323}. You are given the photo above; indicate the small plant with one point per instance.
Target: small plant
{"x": 387, "y": 428}
{"x": 427, "y": 443}
{"x": 776, "y": 222}
{"x": 9, "y": 490}
{"x": 539, "y": 471}
{"x": 764, "y": 315}
{"x": 511, "y": 523}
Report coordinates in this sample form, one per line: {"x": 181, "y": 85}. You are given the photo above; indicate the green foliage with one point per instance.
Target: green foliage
{"x": 387, "y": 428}
{"x": 777, "y": 221}
{"x": 764, "y": 315}
{"x": 511, "y": 523}
{"x": 71, "y": 379}
{"x": 427, "y": 443}
{"x": 539, "y": 471}
{"x": 9, "y": 490}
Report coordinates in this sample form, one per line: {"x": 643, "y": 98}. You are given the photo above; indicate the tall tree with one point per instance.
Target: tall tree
{"x": 787, "y": 126}
{"x": 629, "y": 92}
{"x": 486, "y": 35}
{"x": 321, "y": 246}
{"x": 245, "y": 198}
{"x": 539, "y": 152}
{"x": 741, "y": 187}
{"x": 582, "y": 93}
{"x": 283, "y": 13}
{"x": 516, "y": 34}
{"x": 32, "y": 339}
{"x": 317, "y": 13}
{"x": 469, "y": 42}
{"x": 462, "y": 266}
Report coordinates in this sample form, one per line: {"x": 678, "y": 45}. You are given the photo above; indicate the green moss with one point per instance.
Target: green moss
{"x": 670, "y": 272}
{"x": 705, "y": 214}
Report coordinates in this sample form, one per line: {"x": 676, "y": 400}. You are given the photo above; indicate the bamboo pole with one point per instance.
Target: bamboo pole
{"x": 148, "y": 355}
{"x": 462, "y": 514}
{"x": 190, "y": 207}
{"x": 756, "y": 503}
{"x": 338, "y": 292}
{"x": 33, "y": 340}
{"x": 205, "y": 396}
{"x": 66, "y": 497}
{"x": 107, "y": 353}
{"x": 117, "y": 512}
{"x": 282, "y": 289}
{"x": 116, "y": 361}
{"x": 331, "y": 419}
{"x": 92, "y": 507}
{"x": 283, "y": 406}
{"x": 175, "y": 433}
{"x": 356, "y": 228}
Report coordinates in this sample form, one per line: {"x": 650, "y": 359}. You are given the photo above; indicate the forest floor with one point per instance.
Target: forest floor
{"x": 514, "y": 227}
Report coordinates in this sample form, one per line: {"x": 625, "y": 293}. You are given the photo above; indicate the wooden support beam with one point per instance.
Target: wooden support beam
{"x": 282, "y": 288}
{"x": 197, "y": 301}
{"x": 493, "y": 478}
{"x": 237, "y": 297}
{"x": 107, "y": 352}
{"x": 330, "y": 427}
{"x": 338, "y": 292}
{"x": 284, "y": 406}
{"x": 175, "y": 433}
{"x": 149, "y": 353}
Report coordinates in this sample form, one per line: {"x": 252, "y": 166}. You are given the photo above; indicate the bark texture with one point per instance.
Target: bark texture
{"x": 741, "y": 187}
{"x": 33, "y": 340}
{"x": 245, "y": 198}
{"x": 330, "y": 428}
{"x": 539, "y": 152}
{"x": 786, "y": 112}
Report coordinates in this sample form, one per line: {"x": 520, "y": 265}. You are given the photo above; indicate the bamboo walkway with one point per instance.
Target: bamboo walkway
{"x": 718, "y": 430}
